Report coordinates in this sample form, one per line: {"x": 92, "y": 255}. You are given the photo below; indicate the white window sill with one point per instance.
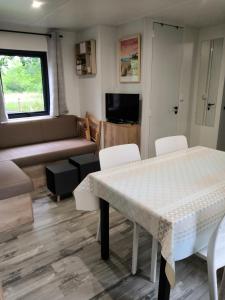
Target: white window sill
{"x": 17, "y": 120}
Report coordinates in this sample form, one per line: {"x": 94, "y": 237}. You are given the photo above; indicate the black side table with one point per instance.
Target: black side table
{"x": 86, "y": 163}
{"x": 62, "y": 178}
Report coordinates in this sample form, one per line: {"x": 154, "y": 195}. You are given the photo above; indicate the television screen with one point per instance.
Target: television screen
{"x": 122, "y": 108}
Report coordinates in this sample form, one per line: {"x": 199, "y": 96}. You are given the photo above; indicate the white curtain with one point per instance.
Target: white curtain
{"x": 3, "y": 114}
{"x": 56, "y": 76}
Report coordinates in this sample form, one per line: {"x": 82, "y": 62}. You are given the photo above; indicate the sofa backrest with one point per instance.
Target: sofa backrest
{"x": 37, "y": 131}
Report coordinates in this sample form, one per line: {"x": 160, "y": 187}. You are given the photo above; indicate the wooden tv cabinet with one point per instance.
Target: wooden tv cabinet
{"x": 117, "y": 134}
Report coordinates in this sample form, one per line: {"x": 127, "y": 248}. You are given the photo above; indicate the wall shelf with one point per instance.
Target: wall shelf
{"x": 86, "y": 58}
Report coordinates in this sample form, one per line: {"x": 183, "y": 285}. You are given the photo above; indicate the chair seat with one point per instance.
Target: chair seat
{"x": 220, "y": 256}
{"x": 203, "y": 253}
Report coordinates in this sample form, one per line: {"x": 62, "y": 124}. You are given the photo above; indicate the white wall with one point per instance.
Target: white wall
{"x": 92, "y": 89}
{"x": 108, "y": 46}
{"x": 144, "y": 28}
{"x": 39, "y": 43}
{"x": 205, "y": 135}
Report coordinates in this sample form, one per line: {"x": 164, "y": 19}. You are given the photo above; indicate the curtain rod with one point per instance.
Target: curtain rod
{"x": 26, "y": 32}
{"x": 165, "y": 24}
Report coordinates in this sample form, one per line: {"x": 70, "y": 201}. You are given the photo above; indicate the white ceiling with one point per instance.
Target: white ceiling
{"x": 77, "y": 14}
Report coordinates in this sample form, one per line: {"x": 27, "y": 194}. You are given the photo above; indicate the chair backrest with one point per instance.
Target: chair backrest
{"x": 83, "y": 128}
{"x": 216, "y": 243}
{"x": 95, "y": 128}
{"x": 170, "y": 144}
{"x": 118, "y": 155}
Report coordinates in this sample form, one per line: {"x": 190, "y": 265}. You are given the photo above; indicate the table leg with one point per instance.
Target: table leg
{"x": 164, "y": 286}
{"x": 104, "y": 208}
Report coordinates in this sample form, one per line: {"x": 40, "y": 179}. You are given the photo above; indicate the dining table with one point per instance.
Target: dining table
{"x": 179, "y": 198}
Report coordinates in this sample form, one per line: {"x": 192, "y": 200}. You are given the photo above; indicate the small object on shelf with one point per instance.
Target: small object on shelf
{"x": 83, "y": 48}
{"x": 86, "y": 58}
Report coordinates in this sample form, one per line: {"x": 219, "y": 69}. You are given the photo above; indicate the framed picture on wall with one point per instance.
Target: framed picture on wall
{"x": 130, "y": 59}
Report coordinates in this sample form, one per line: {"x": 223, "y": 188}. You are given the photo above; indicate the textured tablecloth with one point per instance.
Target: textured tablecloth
{"x": 179, "y": 198}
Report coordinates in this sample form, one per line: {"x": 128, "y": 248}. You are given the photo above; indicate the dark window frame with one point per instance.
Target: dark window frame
{"x": 45, "y": 81}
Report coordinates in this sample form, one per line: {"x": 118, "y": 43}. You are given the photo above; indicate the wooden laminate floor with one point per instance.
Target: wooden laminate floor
{"x": 59, "y": 258}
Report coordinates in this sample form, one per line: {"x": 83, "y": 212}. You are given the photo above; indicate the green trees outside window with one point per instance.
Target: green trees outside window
{"x": 25, "y": 82}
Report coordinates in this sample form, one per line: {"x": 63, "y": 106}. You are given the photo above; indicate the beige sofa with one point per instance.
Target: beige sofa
{"x": 25, "y": 149}
{"x": 41, "y": 141}
{"x": 33, "y": 144}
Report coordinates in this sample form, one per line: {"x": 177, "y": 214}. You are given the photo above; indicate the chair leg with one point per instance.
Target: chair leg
{"x": 135, "y": 248}
{"x": 154, "y": 260}
{"x": 222, "y": 287}
{"x": 98, "y": 234}
{"x": 212, "y": 277}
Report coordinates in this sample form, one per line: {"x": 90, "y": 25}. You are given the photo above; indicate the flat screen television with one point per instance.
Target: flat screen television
{"x": 122, "y": 108}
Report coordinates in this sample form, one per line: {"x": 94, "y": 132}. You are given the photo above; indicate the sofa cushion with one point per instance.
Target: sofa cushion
{"x": 13, "y": 181}
{"x": 37, "y": 131}
{"x": 63, "y": 127}
{"x": 46, "y": 152}
{"x": 21, "y": 133}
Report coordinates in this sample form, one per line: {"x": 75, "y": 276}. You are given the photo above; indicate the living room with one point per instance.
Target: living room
{"x": 62, "y": 65}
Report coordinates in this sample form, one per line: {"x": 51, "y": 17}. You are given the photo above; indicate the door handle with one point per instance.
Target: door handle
{"x": 175, "y": 109}
{"x": 204, "y": 98}
{"x": 209, "y": 105}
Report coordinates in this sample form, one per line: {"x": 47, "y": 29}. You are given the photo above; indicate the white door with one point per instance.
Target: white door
{"x": 165, "y": 85}
{"x": 204, "y": 129}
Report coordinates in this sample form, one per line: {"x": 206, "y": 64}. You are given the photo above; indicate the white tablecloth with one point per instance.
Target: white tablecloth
{"x": 179, "y": 198}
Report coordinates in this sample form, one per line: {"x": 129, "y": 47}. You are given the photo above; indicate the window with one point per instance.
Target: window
{"x": 25, "y": 83}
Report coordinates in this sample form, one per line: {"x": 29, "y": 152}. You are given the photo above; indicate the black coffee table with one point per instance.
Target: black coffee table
{"x": 86, "y": 163}
{"x": 62, "y": 178}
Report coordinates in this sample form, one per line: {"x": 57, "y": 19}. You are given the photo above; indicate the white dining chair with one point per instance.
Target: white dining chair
{"x": 163, "y": 146}
{"x": 170, "y": 144}
{"x": 113, "y": 157}
{"x": 214, "y": 253}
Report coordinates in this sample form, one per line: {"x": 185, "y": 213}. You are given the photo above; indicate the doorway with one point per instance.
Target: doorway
{"x": 165, "y": 82}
